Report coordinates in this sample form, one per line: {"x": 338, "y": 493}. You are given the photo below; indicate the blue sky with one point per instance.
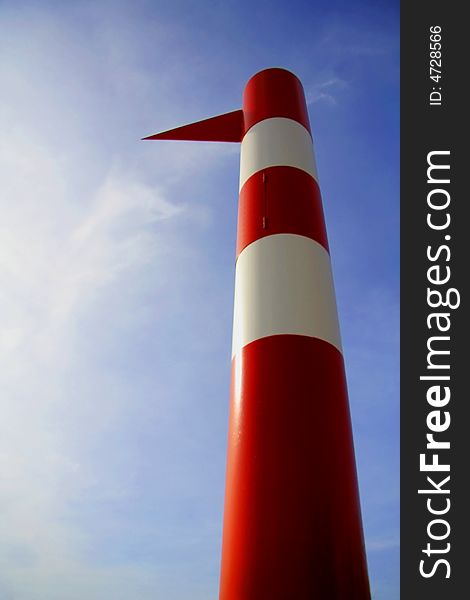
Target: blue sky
{"x": 117, "y": 268}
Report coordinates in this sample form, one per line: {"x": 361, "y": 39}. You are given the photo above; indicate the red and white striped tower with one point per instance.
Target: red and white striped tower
{"x": 292, "y": 523}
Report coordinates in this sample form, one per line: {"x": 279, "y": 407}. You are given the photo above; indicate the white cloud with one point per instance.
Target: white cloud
{"x": 51, "y": 272}
{"x": 382, "y": 544}
{"x": 326, "y": 91}
{"x": 80, "y": 224}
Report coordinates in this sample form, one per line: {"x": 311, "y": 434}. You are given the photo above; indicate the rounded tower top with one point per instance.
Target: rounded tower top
{"x": 271, "y": 93}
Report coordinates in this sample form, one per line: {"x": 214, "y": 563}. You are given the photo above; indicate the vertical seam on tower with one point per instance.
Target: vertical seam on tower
{"x": 265, "y": 200}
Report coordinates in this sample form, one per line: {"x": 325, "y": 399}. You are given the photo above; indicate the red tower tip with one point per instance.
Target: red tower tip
{"x": 228, "y": 127}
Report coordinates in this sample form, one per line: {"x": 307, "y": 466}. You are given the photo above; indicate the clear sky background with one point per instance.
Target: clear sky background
{"x": 117, "y": 271}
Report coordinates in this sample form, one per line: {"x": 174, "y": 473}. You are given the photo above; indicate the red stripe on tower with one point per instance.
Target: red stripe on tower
{"x": 280, "y": 200}
{"x": 292, "y": 523}
{"x": 291, "y": 526}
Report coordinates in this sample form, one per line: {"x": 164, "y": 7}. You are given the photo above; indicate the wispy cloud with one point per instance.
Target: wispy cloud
{"x": 325, "y": 91}
{"x": 53, "y": 272}
{"x": 385, "y": 544}
{"x": 81, "y": 223}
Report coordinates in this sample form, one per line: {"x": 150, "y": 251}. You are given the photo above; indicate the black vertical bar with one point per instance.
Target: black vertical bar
{"x": 427, "y": 128}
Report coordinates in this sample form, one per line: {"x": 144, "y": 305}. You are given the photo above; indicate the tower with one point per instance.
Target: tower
{"x": 292, "y": 524}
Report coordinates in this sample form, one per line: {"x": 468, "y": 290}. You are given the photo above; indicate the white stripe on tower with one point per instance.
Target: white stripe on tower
{"x": 276, "y": 142}
{"x": 284, "y": 285}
